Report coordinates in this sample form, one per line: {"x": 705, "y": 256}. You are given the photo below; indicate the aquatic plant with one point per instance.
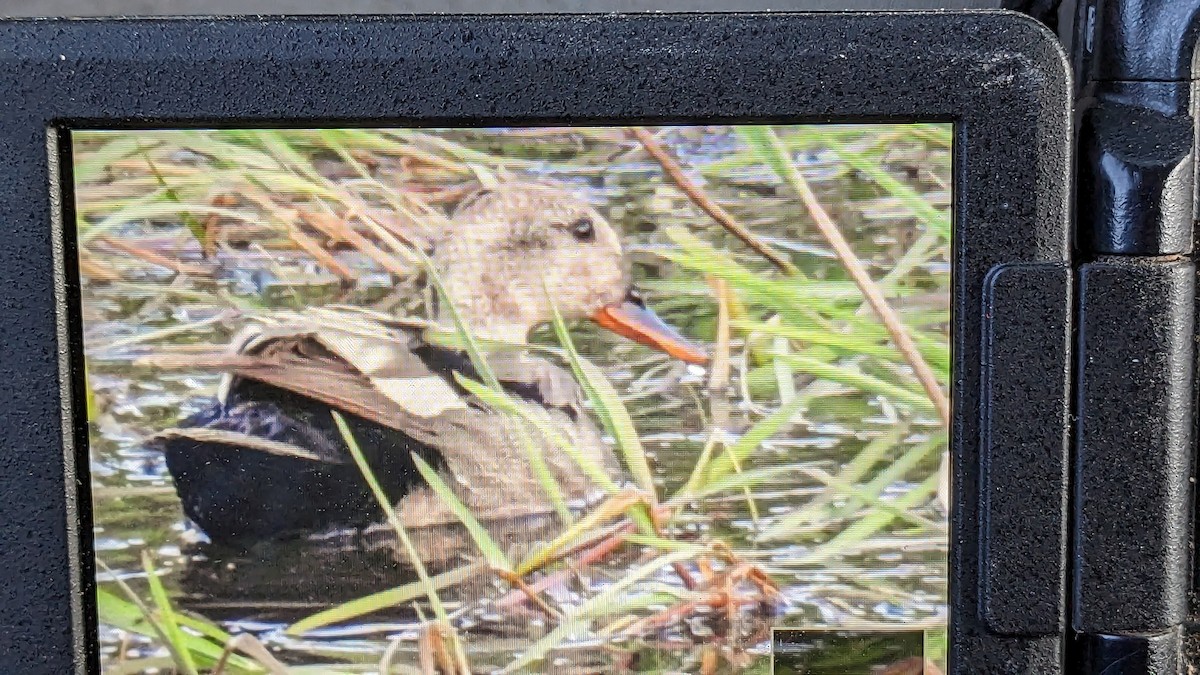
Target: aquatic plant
{"x": 233, "y": 222}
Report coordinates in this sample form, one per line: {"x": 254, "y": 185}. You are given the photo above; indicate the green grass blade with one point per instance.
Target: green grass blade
{"x": 487, "y": 546}
{"x": 533, "y": 452}
{"x": 503, "y": 402}
{"x": 609, "y": 408}
{"x": 764, "y": 143}
{"x": 865, "y": 494}
{"x": 389, "y": 510}
{"x": 597, "y": 517}
{"x": 846, "y": 489}
{"x": 936, "y": 646}
{"x": 159, "y": 594}
{"x": 938, "y": 134}
{"x": 186, "y": 217}
{"x": 474, "y": 352}
{"x": 923, "y": 249}
{"x": 873, "y": 522}
{"x": 461, "y": 154}
{"x": 853, "y": 377}
{"x": 772, "y": 152}
{"x": 278, "y": 143}
{"x": 936, "y": 350}
{"x": 153, "y": 206}
{"x": 369, "y": 604}
{"x": 598, "y": 605}
{"x": 740, "y": 450}
{"x": 134, "y": 616}
{"x": 203, "y": 627}
{"x": 750, "y": 478}
{"x": 541, "y": 470}
{"x": 226, "y": 148}
{"x": 934, "y": 219}
{"x": 91, "y": 165}
{"x": 870, "y": 493}
{"x": 698, "y": 476}
{"x": 874, "y": 452}
{"x": 799, "y": 301}
{"x": 849, "y": 343}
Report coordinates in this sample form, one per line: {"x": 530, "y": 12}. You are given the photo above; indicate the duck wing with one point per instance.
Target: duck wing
{"x": 385, "y": 373}
{"x": 354, "y": 361}
{"x": 538, "y": 380}
{"x": 380, "y": 368}
{"x": 482, "y": 455}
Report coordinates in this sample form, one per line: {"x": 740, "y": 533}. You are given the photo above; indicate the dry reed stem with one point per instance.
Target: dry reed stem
{"x": 891, "y": 321}
{"x": 288, "y": 217}
{"x": 518, "y": 583}
{"x": 912, "y": 666}
{"x": 429, "y": 645}
{"x": 93, "y": 269}
{"x": 589, "y": 557}
{"x": 153, "y": 258}
{"x": 675, "y": 613}
{"x": 336, "y": 228}
{"x": 721, "y": 594}
{"x": 212, "y": 227}
{"x": 710, "y": 660}
{"x": 832, "y": 234}
{"x": 319, "y": 253}
{"x": 440, "y": 195}
{"x": 718, "y": 380}
{"x": 698, "y": 196}
{"x": 249, "y": 645}
{"x": 438, "y": 653}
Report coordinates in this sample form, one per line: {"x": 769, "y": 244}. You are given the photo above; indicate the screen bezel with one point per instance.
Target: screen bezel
{"x": 999, "y": 77}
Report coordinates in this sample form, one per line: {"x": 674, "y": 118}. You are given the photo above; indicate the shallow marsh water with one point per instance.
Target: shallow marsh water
{"x": 894, "y": 577}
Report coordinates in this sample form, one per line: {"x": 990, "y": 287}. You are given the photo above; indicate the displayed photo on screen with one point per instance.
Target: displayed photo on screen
{"x": 544, "y": 400}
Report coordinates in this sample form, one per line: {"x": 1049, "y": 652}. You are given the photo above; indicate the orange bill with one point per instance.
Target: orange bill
{"x": 633, "y": 320}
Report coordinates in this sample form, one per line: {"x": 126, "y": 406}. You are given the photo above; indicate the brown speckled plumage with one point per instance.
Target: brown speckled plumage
{"x": 504, "y": 251}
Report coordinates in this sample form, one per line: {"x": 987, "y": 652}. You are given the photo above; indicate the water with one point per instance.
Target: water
{"x": 894, "y": 577}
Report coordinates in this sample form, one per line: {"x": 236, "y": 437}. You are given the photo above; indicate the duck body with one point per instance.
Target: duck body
{"x": 239, "y": 496}
{"x": 266, "y": 460}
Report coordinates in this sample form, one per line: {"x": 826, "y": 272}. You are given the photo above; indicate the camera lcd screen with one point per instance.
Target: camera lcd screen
{"x": 557, "y": 399}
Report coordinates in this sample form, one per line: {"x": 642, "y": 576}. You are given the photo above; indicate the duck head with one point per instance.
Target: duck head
{"x": 507, "y": 248}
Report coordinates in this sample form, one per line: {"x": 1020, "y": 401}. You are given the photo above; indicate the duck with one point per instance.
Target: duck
{"x": 265, "y": 461}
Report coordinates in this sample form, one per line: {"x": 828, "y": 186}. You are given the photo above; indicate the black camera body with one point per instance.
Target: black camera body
{"x": 1135, "y": 179}
{"x": 1072, "y": 516}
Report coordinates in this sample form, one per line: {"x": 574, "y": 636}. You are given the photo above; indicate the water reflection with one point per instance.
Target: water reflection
{"x": 896, "y": 576}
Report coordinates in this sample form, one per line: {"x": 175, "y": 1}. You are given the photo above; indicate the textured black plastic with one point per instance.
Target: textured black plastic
{"x": 1133, "y": 70}
{"x": 1148, "y": 40}
{"x": 1151, "y": 653}
{"x": 1136, "y": 165}
{"x": 1000, "y": 76}
{"x": 1023, "y": 487}
{"x": 1133, "y": 445}
{"x": 1132, "y": 40}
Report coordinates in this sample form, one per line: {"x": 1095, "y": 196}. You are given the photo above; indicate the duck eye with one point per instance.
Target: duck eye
{"x": 635, "y": 298}
{"x": 583, "y": 230}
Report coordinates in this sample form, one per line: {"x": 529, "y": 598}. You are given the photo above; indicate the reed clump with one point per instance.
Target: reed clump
{"x": 814, "y": 333}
